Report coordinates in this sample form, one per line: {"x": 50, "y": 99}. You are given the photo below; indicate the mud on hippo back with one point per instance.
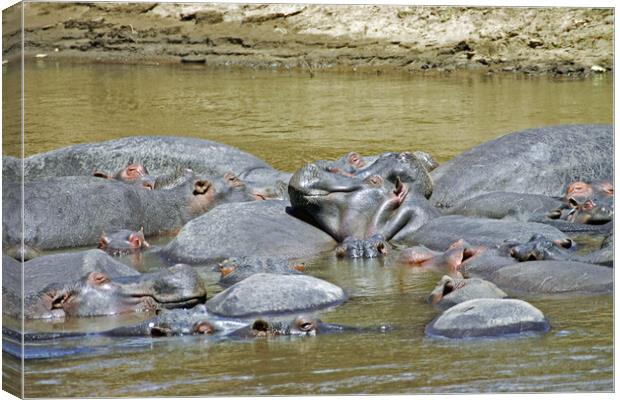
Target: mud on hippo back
{"x": 538, "y": 161}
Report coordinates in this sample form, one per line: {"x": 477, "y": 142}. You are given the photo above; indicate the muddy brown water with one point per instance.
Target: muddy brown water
{"x": 288, "y": 118}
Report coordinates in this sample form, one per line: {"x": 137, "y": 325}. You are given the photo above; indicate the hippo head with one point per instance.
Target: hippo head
{"x": 373, "y": 247}
{"x": 300, "y": 326}
{"x": 133, "y": 173}
{"x": 444, "y": 287}
{"x": 405, "y": 167}
{"x": 98, "y": 294}
{"x": 346, "y": 206}
{"x": 347, "y": 165}
{"x": 449, "y": 261}
{"x": 538, "y": 248}
{"x": 191, "y": 322}
{"x": 123, "y": 242}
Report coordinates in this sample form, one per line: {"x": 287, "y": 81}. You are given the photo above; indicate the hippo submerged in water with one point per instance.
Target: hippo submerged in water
{"x": 90, "y": 283}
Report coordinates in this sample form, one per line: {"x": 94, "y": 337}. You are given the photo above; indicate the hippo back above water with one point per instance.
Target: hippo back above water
{"x": 539, "y": 161}
{"x": 160, "y": 154}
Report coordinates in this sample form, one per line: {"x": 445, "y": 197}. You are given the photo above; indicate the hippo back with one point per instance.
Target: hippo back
{"x": 539, "y": 161}
{"x": 160, "y": 154}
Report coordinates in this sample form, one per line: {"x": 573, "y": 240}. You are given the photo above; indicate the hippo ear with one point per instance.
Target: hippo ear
{"x": 135, "y": 240}
{"x": 203, "y": 328}
{"x": 458, "y": 244}
{"x": 201, "y": 186}
{"x": 103, "y": 241}
{"x": 97, "y": 278}
{"x": 564, "y": 243}
{"x": 299, "y": 267}
{"x": 226, "y": 270}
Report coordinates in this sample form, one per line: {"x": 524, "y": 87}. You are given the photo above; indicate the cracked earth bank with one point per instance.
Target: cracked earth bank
{"x": 348, "y": 38}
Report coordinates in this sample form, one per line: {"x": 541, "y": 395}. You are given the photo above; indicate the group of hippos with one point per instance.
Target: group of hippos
{"x": 502, "y": 217}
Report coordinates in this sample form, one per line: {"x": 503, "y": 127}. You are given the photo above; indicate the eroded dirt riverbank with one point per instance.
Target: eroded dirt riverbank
{"x": 311, "y": 37}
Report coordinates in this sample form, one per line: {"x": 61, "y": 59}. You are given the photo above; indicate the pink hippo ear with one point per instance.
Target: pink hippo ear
{"x": 135, "y": 241}
{"x": 201, "y": 186}
{"x": 103, "y": 241}
{"x": 588, "y": 205}
{"x": 454, "y": 258}
{"x": 97, "y": 278}
{"x": 203, "y": 328}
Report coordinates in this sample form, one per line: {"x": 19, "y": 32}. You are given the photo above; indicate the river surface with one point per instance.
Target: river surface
{"x": 288, "y": 118}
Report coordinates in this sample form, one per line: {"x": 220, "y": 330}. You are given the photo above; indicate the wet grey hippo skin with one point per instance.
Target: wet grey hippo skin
{"x": 505, "y": 205}
{"x": 74, "y": 211}
{"x": 160, "y": 154}
{"x": 235, "y": 270}
{"x": 275, "y": 294}
{"x": 382, "y": 201}
{"x": 96, "y": 292}
{"x": 554, "y": 277}
{"x": 488, "y": 318}
{"x": 452, "y": 291}
{"x": 536, "y": 161}
{"x": 261, "y": 228}
{"x": 439, "y": 233}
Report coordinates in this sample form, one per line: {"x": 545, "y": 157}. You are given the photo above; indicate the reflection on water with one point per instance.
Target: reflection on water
{"x": 288, "y": 118}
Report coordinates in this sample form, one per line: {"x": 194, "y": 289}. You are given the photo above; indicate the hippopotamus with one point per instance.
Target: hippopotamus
{"x": 90, "y": 283}
{"x": 554, "y": 277}
{"x": 439, "y": 233}
{"x": 384, "y": 200}
{"x": 302, "y": 325}
{"x": 505, "y": 205}
{"x": 235, "y": 270}
{"x": 533, "y": 161}
{"x": 452, "y": 291}
{"x": 488, "y": 318}
{"x": 160, "y": 154}
{"x": 266, "y": 293}
{"x": 262, "y": 229}
{"x": 541, "y": 248}
{"x": 123, "y": 241}
{"x": 74, "y": 211}
{"x": 182, "y": 322}
{"x": 449, "y": 261}
{"x": 353, "y": 162}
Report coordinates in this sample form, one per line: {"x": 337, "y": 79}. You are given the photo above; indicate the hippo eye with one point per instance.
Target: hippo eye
{"x": 97, "y": 278}
{"x": 588, "y": 205}
{"x": 375, "y": 180}
{"x": 305, "y": 325}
